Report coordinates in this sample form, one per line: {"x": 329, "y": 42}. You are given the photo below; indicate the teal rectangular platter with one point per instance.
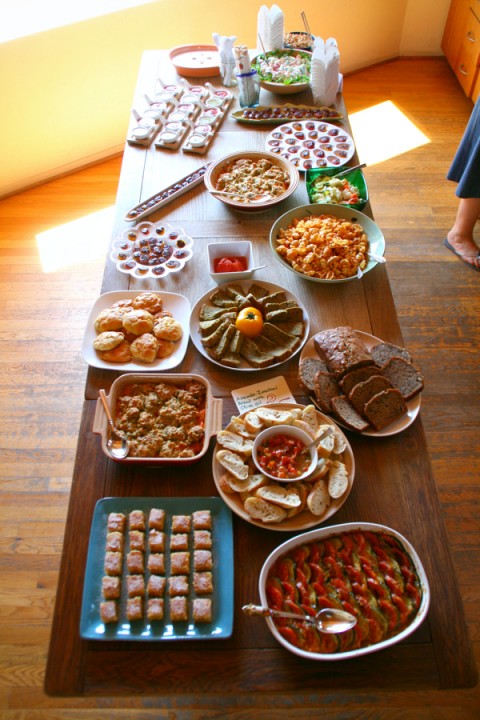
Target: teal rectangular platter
{"x": 91, "y": 625}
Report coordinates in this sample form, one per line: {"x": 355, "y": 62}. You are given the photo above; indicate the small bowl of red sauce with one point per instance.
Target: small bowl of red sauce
{"x": 277, "y": 453}
{"x": 230, "y": 261}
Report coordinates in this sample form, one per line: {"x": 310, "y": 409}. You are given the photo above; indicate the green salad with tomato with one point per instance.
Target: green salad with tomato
{"x": 285, "y": 67}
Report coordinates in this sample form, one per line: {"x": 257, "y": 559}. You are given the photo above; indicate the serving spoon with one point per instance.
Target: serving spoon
{"x": 116, "y": 444}
{"x": 328, "y": 431}
{"x": 326, "y": 620}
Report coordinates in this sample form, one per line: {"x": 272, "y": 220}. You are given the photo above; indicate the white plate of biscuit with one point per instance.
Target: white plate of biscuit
{"x": 130, "y": 330}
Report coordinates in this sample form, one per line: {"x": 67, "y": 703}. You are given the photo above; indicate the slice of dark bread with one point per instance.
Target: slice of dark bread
{"x": 220, "y": 298}
{"x": 348, "y": 382}
{"x": 382, "y": 352}
{"x": 346, "y": 413}
{"x": 232, "y": 357}
{"x": 307, "y": 369}
{"x": 258, "y": 291}
{"x": 288, "y": 314}
{"x": 219, "y": 350}
{"x": 404, "y": 376}
{"x": 385, "y": 407}
{"x": 295, "y": 327}
{"x": 279, "y": 352}
{"x": 279, "y": 337}
{"x": 363, "y": 391}
{"x": 325, "y": 387}
{"x": 254, "y": 356}
{"x": 207, "y": 312}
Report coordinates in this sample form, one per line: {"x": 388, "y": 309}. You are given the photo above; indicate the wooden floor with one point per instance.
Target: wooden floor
{"x": 42, "y": 377}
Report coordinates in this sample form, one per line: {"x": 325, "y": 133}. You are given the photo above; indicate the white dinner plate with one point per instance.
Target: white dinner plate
{"x": 304, "y": 519}
{"x": 178, "y": 305}
{"x": 244, "y": 284}
{"x": 413, "y": 405}
{"x": 311, "y": 144}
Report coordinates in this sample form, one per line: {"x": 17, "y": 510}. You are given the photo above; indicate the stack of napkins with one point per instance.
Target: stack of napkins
{"x": 270, "y": 27}
{"x": 325, "y": 78}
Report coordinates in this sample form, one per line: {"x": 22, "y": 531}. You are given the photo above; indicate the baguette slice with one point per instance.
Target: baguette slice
{"x": 237, "y": 425}
{"x": 337, "y": 479}
{"x": 309, "y": 416}
{"x": 318, "y": 498}
{"x": 271, "y": 416}
{"x": 233, "y": 463}
{"x": 287, "y": 498}
{"x": 262, "y": 510}
{"x": 249, "y": 485}
{"x": 253, "y": 422}
{"x": 236, "y": 443}
{"x": 303, "y": 489}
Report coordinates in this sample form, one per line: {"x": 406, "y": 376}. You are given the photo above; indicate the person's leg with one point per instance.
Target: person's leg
{"x": 460, "y": 237}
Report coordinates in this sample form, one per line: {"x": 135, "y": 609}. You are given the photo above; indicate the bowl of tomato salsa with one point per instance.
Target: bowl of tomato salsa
{"x": 278, "y": 453}
{"x": 230, "y": 261}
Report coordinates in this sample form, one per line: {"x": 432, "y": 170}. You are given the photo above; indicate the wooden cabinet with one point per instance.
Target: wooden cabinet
{"x": 461, "y": 42}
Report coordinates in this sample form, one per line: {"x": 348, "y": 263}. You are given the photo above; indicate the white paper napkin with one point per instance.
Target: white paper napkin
{"x": 270, "y": 28}
{"x": 325, "y": 78}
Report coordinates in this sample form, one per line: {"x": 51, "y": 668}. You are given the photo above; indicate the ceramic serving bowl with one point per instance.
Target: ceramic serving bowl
{"x": 376, "y": 240}
{"x": 282, "y": 86}
{"x": 297, "y": 638}
{"x": 120, "y": 387}
{"x": 355, "y": 178}
{"x": 274, "y": 437}
{"x": 222, "y": 166}
{"x": 238, "y": 249}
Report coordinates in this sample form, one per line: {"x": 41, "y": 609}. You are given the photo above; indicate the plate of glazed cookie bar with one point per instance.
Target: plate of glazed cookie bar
{"x": 159, "y": 569}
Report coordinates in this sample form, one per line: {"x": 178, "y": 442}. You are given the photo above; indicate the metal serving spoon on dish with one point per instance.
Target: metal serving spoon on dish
{"x": 116, "y": 444}
{"x": 328, "y": 431}
{"x": 327, "y": 620}
{"x": 256, "y": 199}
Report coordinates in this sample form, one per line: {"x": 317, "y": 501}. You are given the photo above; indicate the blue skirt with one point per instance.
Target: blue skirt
{"x": 465, "y": 168}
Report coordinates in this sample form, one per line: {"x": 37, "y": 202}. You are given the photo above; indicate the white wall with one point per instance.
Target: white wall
{"x": 66, "y": 93}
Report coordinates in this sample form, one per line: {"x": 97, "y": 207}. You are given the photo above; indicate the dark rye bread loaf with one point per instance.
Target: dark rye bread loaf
{"x": 382, "y": 352}
{"x": 346, "y": 413}
{"x": 363, "y": 391}
{"x": 307, "y": 369}
{"x": 342, "y": 350}
{"x": 326, "y": 387}
{"x": 385, "y": 407}
{"x": 404, "y": 376}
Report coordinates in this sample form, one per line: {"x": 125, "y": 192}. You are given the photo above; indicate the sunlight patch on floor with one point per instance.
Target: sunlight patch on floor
{"x": 81, "y": 241}
{"x": 382, "y": 132}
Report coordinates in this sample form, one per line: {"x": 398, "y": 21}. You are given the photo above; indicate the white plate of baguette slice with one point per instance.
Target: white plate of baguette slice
{"x": 391, "y": 361}
{"x": 281, "y": 506}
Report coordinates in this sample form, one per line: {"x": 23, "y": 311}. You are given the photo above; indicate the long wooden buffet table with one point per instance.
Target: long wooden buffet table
{"x": 393, "y": 481}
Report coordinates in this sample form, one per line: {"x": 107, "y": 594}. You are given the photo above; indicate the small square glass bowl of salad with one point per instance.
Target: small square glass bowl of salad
{"x": 350, "y": 189}
{"x": 283, "y": 71}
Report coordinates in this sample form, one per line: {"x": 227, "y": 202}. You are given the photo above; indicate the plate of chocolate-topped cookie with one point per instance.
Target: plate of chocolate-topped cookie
{"x": 365, "y": 384}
